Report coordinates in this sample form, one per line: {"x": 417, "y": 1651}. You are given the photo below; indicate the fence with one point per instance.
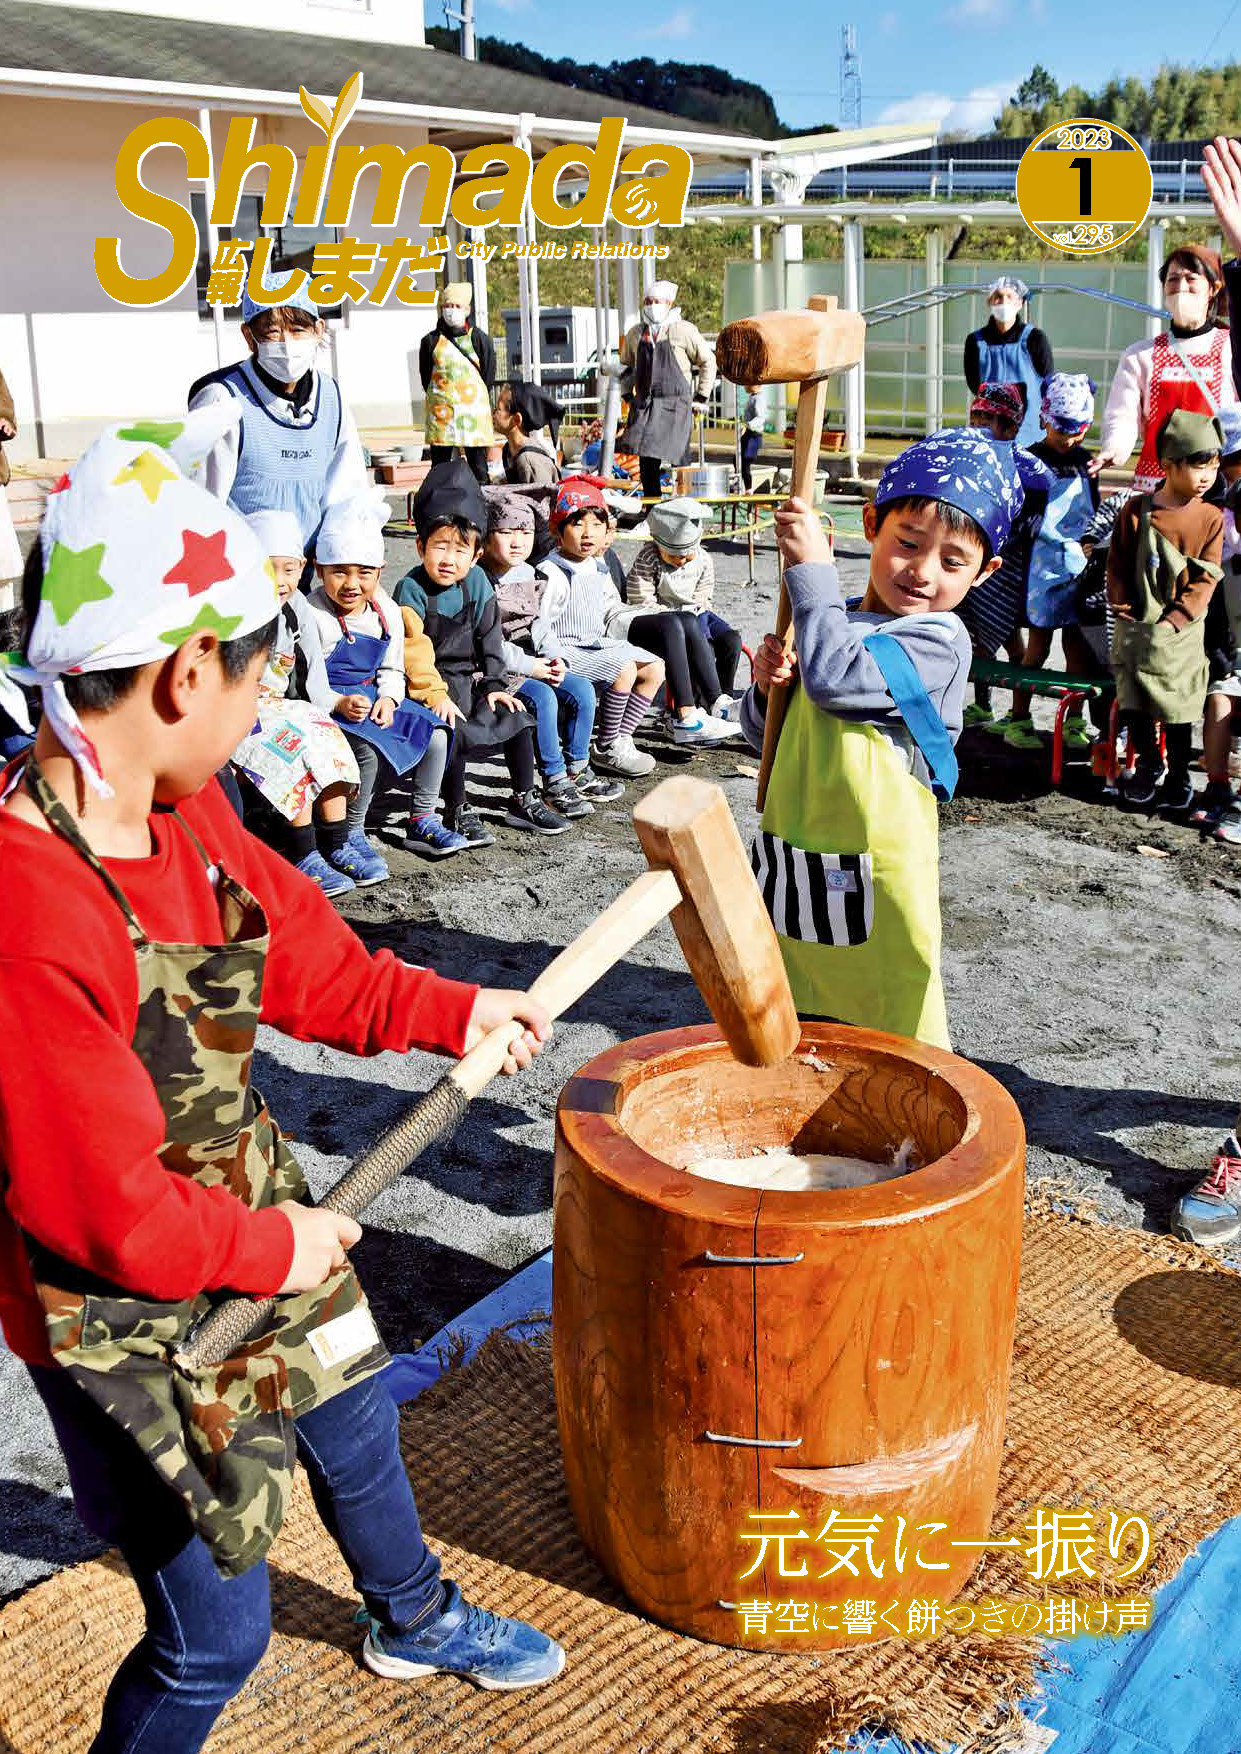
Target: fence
{"x": 1086, "y": 334}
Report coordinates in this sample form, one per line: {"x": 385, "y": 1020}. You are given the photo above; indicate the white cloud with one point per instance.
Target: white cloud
{"x": 675, "y": 28}
{"x": 511, "y": 5}
{"x": 971, "y": 114}
{"x": 978, "y": 11}
{"x": 888, "y": 22}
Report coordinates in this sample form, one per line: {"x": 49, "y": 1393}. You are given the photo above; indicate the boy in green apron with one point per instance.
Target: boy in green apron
{"x": 1162, "y": 567}
{"x": 144, "y": 937}
{"x": 848, "y": 851}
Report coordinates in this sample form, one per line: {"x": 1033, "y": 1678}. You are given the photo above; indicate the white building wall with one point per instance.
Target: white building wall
{"x": 365, "y": 21}
{"x": 75, "y": 360}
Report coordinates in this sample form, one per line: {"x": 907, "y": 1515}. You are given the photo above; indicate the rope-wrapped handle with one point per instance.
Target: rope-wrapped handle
{"x": 438, "y": 1113}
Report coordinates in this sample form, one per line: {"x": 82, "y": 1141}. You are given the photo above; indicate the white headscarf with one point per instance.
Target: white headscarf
{"x": 352, "y": 531}
{"x": 279, "y": 532}
{"x": 137, "y": 558}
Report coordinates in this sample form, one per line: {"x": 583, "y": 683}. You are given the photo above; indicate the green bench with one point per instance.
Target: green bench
{"x": 1070, "y": 690}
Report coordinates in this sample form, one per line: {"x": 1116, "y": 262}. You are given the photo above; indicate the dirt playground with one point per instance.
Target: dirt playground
{"x": 1090, "y": 975}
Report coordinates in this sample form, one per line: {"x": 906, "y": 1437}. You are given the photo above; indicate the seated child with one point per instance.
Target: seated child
{"x": 296, "y": 757}
{"x": 530, "y": 420}
{"x": 1163, "y": 564}
{"x": 1057, "y": 557}
{"x": 995, "y": 612}
{"x": 362, "y": 636}
{"x": 848, "y": 853}
{"x": 673, "y": 577}
{"x": 545, "y": 685}
{"x": 578, "y": 598}
{"x": 454, "y": 653}
{"x": 145, "y": 936}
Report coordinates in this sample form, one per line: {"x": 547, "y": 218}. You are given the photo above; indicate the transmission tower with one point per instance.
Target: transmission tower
{"x": 850, "y": 78}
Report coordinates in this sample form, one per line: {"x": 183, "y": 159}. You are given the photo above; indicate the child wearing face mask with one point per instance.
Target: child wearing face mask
{"x": 363, "y": 639}
{"x": 1163, "y": 565}
{"x": 1190, "y": 365}
{"x": 450, "y": 612}
{"x": 457, "y": 364}
{"x": 1008, "y": 350}
{"x": 297, "y": 448}
{"x": 296, "y": 757}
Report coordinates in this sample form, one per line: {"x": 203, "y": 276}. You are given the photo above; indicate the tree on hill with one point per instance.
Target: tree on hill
{"x": 697, "y": 91}
{"x": 1179, "y": 103}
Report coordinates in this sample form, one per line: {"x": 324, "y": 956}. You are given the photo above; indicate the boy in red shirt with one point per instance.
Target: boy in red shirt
{"x": 144, "y": 936}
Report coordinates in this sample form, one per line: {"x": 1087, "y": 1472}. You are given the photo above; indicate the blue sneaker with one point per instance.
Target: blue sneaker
{"x": 428, "y": 835}
{"x": 359, "y": 860}
{"x": 331, "y": 882}
{"x": 472, "y": 1642}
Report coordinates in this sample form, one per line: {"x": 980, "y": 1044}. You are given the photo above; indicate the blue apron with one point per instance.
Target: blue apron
{"x": 1058, "y": 557}
{"x": 351, "y": 669}
{"x": 1009, "y": 362}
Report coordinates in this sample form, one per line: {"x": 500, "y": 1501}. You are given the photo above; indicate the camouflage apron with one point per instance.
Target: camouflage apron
{"x": 222, "y": 1435}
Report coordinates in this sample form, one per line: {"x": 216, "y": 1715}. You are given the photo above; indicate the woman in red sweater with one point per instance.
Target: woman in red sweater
{"x": 145, "y": 936}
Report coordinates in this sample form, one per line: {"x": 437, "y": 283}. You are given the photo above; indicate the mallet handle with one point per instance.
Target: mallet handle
{"x": 634, "y": 913}
{"x": 811, "y": 403}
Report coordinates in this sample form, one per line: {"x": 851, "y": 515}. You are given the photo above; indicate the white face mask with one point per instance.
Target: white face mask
{"x": 288, "y": 359}
{"x": 1188, "y": 309}
{"x": 656, "y": 312}
{"x": 1005, "y": 312}
{"x": 454, "y": 317}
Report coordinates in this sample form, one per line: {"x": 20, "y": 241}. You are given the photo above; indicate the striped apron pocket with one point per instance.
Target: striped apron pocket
{"x": 819, "y": 898}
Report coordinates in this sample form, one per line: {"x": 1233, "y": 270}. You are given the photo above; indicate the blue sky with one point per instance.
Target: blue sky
{"x": 951, "y": 60}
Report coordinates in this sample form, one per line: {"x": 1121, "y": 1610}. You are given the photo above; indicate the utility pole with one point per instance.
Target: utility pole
{"x": 465, "y": 18}
{"x": 850, "y": 77}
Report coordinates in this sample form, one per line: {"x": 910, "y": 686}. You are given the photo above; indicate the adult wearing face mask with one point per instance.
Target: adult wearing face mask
{"x": 669, "y": 373}
{"x": 1189, "y": 365}
{"x": 297, "y": 448}
{"x": 457, "y": 362}
{"x": 1008, "y": 350}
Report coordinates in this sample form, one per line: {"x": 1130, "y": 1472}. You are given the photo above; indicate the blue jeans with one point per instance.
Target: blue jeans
{"x": 206, "y": 1633}
{"x": 577, "y": 697}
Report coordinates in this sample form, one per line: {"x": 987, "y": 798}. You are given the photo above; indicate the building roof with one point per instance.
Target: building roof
{"x": 60, "y": 41}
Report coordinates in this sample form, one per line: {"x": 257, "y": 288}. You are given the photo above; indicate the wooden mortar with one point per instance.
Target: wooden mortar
{"x": 883, "y": 1344}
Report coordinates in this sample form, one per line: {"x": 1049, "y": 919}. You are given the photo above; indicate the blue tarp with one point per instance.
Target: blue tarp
{"x": 1175, "y": 1689}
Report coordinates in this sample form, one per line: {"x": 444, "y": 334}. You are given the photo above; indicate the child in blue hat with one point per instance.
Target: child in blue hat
{"x": 848, "y": 851}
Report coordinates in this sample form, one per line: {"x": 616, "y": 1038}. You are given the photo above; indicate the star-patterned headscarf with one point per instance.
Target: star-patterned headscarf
{"x": 137, "y": 559}
{"x": 962, "y": 467}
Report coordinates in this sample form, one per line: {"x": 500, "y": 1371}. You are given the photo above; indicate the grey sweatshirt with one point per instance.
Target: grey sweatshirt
{"x": 840, "y": 676}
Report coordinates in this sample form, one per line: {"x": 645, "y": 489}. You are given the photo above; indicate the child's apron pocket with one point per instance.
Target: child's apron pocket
{"x": 818, "y": 898}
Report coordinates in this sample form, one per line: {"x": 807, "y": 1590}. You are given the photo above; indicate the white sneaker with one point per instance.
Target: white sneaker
{"x": 622, "y": 757}
{"x": 728, "y": 708}
{"x": 722, "y": 728}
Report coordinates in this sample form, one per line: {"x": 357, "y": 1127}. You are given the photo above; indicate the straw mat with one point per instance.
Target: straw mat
{"x": 1126, "y": 1392}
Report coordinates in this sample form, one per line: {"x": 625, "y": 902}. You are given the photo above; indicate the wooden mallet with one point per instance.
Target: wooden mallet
{"x": 701, "y": 877}
{"x": 803, "y": 348}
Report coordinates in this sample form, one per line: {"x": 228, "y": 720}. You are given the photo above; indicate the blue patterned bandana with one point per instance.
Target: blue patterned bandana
{"x": 1068, "y": 401}
{"x": 962, "y": 467}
